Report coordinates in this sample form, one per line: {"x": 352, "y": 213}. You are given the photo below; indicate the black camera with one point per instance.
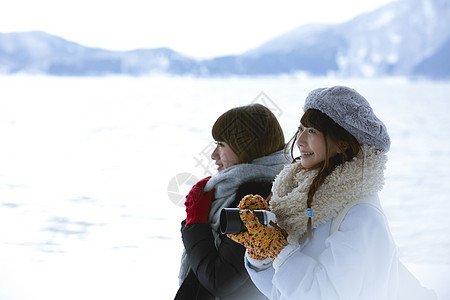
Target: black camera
{"x": 230, "y": 222}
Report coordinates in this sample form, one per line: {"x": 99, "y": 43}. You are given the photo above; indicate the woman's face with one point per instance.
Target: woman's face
{"x": 311, "y": 144}
{"x": 224, "y": 156}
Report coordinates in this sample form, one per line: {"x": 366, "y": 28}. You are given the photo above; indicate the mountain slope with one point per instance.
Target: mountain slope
{"x": 39, "y": 52}
{"x": 389, "y": 41}
{"x": 315, "y": 53}
{"x": 437, "y": 65}
{"x": 394, "y": 38}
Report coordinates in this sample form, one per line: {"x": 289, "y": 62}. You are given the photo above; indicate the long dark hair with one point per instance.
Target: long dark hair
{"x": 333, "y": 134}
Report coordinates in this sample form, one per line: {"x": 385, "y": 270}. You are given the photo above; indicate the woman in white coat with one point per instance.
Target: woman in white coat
{"x": 332, "y": 240}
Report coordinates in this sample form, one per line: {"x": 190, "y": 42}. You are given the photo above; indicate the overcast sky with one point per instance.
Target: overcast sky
{"x": 200, "y": 28}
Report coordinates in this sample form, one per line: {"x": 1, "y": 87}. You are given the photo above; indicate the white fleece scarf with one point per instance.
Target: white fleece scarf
{"x": 362, "y": 176}
{"x": 226, "y": 184}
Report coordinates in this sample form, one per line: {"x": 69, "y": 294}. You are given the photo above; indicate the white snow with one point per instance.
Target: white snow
{"x": 383, "y": 19}
{"x": 85, "y": 166}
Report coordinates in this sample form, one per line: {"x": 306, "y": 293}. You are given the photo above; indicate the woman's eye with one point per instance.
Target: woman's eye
{"x": 220, "y": 144}
{"x": 310, "y": 130}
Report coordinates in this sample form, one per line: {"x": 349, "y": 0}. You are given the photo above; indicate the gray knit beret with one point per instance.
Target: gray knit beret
{"x": 352, "y": 111}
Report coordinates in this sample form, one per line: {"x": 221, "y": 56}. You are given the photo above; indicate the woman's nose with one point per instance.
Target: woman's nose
{"x": 214, "y": 154}
{"x": 301, "y": 139}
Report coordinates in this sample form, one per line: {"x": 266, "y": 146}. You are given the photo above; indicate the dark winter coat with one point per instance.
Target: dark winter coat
{"x": 218, "y": 272}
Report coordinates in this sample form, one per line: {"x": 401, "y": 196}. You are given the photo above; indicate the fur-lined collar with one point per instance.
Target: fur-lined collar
{"x": 362, "y": 176}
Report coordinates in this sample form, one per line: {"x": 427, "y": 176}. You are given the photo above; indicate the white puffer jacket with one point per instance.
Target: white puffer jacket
{"x": 358, "y": 261}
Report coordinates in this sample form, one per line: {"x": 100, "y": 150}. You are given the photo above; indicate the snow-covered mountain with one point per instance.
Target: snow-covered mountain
{"x": 311, "y": 48}
{"x": 394, "y": 39}
{"x": 407, "y": 38}
{"x": 40, "y": 52}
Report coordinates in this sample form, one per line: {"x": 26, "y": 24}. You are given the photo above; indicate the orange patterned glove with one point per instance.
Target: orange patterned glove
{"x": 262, "y": 240}
{"x": 253, "y": 202}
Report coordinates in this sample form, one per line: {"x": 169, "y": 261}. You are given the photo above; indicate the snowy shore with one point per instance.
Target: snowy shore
{"x": 85, "y": 167}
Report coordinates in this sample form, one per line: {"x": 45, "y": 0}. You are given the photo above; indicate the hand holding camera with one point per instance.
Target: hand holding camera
{"x": 254, "y": 227}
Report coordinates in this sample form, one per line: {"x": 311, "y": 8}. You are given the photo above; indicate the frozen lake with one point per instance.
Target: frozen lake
{"x": 85, "y": 167}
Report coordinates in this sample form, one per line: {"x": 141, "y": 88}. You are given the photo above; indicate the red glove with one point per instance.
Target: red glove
{"x": 198, "y": 204}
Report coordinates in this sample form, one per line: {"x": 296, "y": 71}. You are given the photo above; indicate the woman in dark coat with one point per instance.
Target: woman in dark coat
{"x": 249, "y": 154}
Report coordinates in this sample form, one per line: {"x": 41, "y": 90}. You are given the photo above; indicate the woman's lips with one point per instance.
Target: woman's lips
{"x": 306, "y": 154}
